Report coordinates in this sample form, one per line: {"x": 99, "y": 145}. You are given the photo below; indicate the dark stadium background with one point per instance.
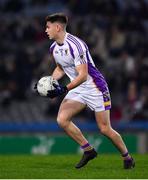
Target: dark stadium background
{"x": 116, "y": 32}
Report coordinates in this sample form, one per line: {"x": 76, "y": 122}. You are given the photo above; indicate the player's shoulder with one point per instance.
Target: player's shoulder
{"x": 76, "y": 42}
{"x": 74, "y": 39}
{"x": 52, "y": 46}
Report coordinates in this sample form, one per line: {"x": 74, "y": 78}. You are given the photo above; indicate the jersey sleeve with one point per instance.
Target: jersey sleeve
{"x": 80, "y": 54}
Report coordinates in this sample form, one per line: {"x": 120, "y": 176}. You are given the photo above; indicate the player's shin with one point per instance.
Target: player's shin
{"x": 75, "y": 133}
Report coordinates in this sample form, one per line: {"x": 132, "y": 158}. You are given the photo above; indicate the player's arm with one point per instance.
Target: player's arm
{"x": 81, "y": 77}
{"x": 58, "y": 73}
{"x": 82, "y": 71}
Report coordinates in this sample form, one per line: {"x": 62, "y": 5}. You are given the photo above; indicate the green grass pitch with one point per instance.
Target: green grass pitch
{"x": 62, "y": 167}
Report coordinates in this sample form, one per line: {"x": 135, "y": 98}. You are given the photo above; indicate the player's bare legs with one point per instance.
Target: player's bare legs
{"x": 67, "y": 110}
{"x": 103, "y": 121}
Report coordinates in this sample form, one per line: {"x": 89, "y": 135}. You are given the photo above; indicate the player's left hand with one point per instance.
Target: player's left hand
{"x": 35, "y": 87}
{"x": 35, "y": 90}
{"x": 59, "y": 90}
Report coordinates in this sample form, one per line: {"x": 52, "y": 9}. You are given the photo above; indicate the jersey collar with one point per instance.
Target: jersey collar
{"x": 64, "y": 40}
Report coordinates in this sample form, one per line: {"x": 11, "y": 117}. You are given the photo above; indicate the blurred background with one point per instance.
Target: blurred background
{"x": 116, "y": 33}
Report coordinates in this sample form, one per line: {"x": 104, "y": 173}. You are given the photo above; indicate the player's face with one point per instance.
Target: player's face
{"x": 51, "y": 30}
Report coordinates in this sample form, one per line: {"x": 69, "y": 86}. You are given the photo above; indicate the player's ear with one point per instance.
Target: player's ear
{"x": 58, "y": 27}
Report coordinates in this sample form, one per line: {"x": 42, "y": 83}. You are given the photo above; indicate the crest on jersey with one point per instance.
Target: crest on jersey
{"x": 82, "y": 56}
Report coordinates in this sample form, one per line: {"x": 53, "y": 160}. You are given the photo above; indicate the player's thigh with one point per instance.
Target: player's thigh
{"x": 103, "y": 119}
{"x": 69, "y": 108}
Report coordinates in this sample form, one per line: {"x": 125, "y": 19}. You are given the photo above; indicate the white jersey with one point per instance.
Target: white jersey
{"x": 72, "y": 53}
{"x": 94, "y": 91}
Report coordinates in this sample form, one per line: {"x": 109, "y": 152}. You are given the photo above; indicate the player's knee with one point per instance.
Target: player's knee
{"x": 62, "y": 122}
{"x": 104, "y": 130}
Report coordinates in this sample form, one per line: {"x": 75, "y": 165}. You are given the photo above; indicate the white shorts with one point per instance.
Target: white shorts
{"x": 92, "y": 97}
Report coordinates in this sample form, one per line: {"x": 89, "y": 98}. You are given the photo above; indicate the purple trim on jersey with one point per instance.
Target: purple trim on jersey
{"x": 79, "y": 51}
{"x": 71, "y": 50}
{"x": 82, "y": 61}
{"x": 84, "y": 44}
{"x": 77, "y": 43}
{"x": 97, "y": 76}
{"x": 52, "y": 48}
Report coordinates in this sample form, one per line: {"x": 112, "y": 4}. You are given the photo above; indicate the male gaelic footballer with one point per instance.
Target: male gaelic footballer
{"x": 87, "y": 87}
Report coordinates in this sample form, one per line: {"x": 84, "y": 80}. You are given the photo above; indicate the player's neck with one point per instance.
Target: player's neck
{"x": 60, "y": 38}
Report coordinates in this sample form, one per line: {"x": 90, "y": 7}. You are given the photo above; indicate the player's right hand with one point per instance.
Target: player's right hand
{"x": 59, "y": 90}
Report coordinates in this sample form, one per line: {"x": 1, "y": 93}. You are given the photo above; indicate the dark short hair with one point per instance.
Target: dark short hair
{"x": 57, "y": 17}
